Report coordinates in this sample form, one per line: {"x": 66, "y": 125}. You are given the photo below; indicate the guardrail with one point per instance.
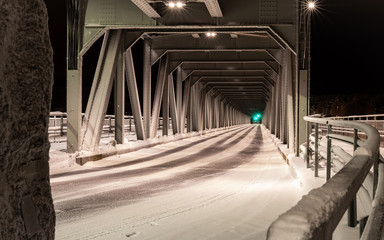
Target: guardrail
{"x": 319, "y": 212}
{"x": 375, "y": 120}
{"x": 57, "y": 129}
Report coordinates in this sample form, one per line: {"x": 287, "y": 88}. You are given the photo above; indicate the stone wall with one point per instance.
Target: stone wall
{"x": 26, "y": 77}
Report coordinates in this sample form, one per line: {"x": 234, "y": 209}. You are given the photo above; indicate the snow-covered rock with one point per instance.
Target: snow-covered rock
{"x": 26, "y": 77}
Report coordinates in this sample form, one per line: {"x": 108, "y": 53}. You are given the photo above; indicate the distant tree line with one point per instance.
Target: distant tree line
{"x": 347, "y": 104}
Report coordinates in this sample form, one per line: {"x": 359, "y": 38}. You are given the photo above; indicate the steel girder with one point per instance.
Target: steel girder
{"x": 255, "y": 42}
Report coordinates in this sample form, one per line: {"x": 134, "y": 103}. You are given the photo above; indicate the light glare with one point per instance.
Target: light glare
{"x": 210, "y": 34}
{"x": 311, "y": 5}
{"x": 178, "y": 4}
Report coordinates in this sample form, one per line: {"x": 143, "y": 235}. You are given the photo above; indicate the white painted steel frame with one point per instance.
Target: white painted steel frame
{"x": 100, "y": 93}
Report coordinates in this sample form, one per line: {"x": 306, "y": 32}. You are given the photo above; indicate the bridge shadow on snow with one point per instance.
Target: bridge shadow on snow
{"x": 132, "y": 194}
{"x": 144, "y": 159}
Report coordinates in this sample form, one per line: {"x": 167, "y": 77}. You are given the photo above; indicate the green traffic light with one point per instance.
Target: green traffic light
{"x": 257, "y": 117}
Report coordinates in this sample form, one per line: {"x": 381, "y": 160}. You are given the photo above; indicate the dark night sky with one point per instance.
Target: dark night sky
{"x": 347, "y": 48}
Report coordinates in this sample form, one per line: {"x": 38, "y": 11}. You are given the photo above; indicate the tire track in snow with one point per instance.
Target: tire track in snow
{"x": 132, "y": 194}
{"x": 149, "y": 158}
{"x": 171, "y": 208}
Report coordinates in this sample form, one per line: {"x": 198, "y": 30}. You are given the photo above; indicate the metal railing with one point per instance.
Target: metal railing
{"x": 318, "y": 213}
{"x": 375, "y": 120}
{"x": 57, "y": 129}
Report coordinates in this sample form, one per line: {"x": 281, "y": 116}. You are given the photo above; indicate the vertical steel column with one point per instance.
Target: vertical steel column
{"x": 194, "y": 105}
{"x": 208, "y": 111}
{"x": 74, "y": 82}
{"x": 165, "y": 106}
{"x": 290, "y": 102}
{"x": 277, "y": 106}
{"x": 161, "y": 79}
{"x": 74, "y": 93}
{"x": 179, "y": 99}
{"x": 303, "y": 107}
{"x": 226, "y": 115}
{"x": 218, "y": 111}
{"x": 119, "y": 97}
{"x": 221, "y": 114}
{"x": 283, "y": 121}
{"x": 186, "y": 97}
{"x": 213, "y": 109}
{"x": 308, "y": 142}
{"x": 199, "y": 108}
{"x": 273, "y": 112}
{"x": 100, "y": 94}
{"x": 147, "y": 87}
{"x": 203, "y": 109}
{"x": 190, "y": 120}
{"x": 173, "y": 106}
{"x": 329, "y": 145}
{"x": 265, "y": 119}
{"x": 316, "y": 149}
{"x": 134, "y": 95}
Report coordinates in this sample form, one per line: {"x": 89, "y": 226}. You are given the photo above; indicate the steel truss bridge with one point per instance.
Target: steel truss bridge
{"x": 256, "y": 61}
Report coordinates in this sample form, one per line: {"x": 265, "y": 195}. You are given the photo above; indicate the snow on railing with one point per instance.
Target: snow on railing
{"x": 319, "y": 212}
{"x": 375, "y": 120}
{"x": 57, "y": 129}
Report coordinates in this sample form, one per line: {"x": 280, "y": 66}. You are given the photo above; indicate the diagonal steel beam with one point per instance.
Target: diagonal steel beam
{"x": 134, "y": 95}
{"x": 101, "y": 90}
{"x": 162, "y": 77}
{"x": 146, "y": 8}
{"x": 213, "y": 7}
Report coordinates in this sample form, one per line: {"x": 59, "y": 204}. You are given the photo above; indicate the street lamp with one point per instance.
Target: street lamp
{"x": 311, "y": 5}
{"x": 175, "y": 4}
{"x": 210, "y": 34}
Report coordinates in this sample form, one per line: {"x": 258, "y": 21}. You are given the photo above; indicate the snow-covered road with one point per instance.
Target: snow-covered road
{"x": 223, "y": 185}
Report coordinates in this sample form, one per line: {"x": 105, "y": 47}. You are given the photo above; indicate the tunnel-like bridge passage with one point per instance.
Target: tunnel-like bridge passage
{"x": 224, "y": 185}
{"x": 211, "y": 64}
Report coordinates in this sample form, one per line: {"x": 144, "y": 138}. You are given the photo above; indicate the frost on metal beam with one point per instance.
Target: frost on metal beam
{"x": 213, "y": 8}
{"x": 146, "y": 8}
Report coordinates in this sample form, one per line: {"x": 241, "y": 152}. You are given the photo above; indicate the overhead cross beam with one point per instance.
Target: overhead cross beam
{"x": 146, "y": 8}
{"x": 213, "y": 8}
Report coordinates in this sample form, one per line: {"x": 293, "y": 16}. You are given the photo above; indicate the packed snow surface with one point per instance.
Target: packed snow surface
{"x": 222, "y": 185}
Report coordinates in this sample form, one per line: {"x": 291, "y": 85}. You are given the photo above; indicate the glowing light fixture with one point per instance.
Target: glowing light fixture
{"x": 179, "y": 4}
{"x": 257, "y": 117}
{"x": 211, "y": 34}
{"x": 311, "y": 5}
{"x": 175, "y": 4}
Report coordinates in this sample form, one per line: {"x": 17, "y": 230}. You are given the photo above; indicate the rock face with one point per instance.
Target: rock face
{"x": 26, "y": 77}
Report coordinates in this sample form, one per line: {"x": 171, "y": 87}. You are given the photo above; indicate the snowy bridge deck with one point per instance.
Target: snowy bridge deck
{"x": 223, "y": 185}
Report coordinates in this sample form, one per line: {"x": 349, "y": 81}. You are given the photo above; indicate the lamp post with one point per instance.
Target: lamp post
{"x": 306, "y": 9}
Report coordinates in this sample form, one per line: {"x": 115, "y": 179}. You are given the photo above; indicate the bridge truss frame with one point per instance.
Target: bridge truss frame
{"x": 258, "y": 67}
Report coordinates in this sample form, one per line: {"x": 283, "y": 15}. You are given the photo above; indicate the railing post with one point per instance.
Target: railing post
{"x": 308, "y": 142}
{"x": 352, "y": 211}
{"x": 61, "y": 125}
{"x": 110, "y": 124}
{"x": 316, "y": 149}
{"x": 130, "y": 125}
{"x": 329, "y": 145}
{"x": 355, "y": 137}
{"x": 376, "y": 172}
